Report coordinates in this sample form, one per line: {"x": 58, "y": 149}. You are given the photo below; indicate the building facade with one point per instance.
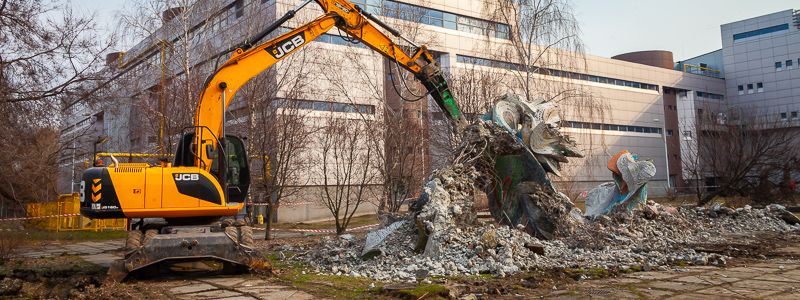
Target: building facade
{"x": 643, "y": 95}
{"x": 761, "y": 57}
{"x": 759, "y": 64}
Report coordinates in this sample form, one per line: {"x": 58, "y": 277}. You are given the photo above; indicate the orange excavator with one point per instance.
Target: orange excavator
{"x": 186, "y": 209}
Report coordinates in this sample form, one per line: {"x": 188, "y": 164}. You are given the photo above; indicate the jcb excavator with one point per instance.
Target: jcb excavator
{"x": 186, "y": 208}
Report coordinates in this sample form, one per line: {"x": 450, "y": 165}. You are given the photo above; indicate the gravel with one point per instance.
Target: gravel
{"x": 610, "y": 242}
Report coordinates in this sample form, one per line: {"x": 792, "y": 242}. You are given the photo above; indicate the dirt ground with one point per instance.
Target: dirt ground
{"x": 762, "y": 265}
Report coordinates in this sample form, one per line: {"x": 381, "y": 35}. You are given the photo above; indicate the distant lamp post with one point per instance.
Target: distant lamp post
{"x": 666, "y": 148}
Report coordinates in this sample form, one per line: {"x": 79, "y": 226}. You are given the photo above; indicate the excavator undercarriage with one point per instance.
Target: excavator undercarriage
{"x": 230, "y": 243}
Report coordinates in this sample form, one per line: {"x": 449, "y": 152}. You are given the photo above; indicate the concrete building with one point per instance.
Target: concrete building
{"x": 761, "y": 57}
{"x": 644, "y": 93}
{"x": 759, "y": 64}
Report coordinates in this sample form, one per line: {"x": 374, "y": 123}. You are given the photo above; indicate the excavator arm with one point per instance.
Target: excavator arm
{"x": 246, "y": 64}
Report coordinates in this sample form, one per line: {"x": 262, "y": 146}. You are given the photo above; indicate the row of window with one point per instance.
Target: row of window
{"x": 788, "y": 65}
{"x": 324, "y": 106}
{"x": 433, "y": 17}
{"x": 785, "y": 116}
{"x": 552, "y": 72}
{"x": 759, "y": 88}
{"x": 612, "y": 127}
{"x": 709, "y": 95}
{"x": 761, "y": 31}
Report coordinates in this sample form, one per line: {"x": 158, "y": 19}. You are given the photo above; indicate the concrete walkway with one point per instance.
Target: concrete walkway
{"x": 768, "y": 279}
{"x": 231, "y": 287}
{"x": 217, "y": 287}
{"x": 99, "y": 253}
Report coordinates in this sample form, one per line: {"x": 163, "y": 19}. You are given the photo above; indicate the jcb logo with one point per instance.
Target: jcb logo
{"x": 287, "y": 45}
{"x": 187, "y": 177}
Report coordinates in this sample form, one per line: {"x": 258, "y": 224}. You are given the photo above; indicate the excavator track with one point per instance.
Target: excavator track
{"x": 232, "y": 245}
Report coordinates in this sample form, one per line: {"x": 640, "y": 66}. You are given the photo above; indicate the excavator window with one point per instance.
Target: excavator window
{"x": 238, "y": 173}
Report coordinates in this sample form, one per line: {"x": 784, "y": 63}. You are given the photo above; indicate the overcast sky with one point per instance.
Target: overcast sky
{"x": 609, "y": 27}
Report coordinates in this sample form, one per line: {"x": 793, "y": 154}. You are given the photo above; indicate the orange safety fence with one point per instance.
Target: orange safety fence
{"x": 64, "y": 215}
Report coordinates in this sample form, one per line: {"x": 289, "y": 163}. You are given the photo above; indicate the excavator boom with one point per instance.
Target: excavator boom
{"x": 349, "y": 18}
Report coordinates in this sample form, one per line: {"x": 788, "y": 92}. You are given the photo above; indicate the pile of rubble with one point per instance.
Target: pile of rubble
{"x": 539, "y": 227}
{"x": 643, "y": 240}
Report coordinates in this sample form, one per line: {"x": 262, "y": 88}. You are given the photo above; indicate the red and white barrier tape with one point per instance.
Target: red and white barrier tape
{"x": 284, "y": 204}
{"x": 40, "y": 217}
{"x": 320, "y": 230}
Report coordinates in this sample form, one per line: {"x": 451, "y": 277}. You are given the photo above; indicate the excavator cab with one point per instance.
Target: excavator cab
{"x": 237, "y": 175}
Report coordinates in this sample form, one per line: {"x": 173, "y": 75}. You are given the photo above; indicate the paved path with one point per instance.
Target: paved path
{"x": 217, "y": 287}
{"x": 100, "y": 253}
{"x": 768, "y": 279}
{"x": 232, "y": 287}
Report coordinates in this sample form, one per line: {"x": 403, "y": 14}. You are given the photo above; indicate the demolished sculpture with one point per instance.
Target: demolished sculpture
{"x": 521, "y": 193}
{"x": 628, "y": 190}
{"x": 508, "y": 154}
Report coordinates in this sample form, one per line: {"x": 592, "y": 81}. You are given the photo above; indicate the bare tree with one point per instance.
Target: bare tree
{"x": 171, "y": 71}
{"x": 279, "y": 134}
{"x": 347, "y": 167}
{"x": 739, "y": 150}
{"x": 48, "y": 54}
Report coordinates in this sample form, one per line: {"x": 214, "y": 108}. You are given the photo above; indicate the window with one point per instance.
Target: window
{"x": 669, "y": 132}
{"x": 552, "y": 72}
{"x": 761, "y": 31}
{"x": 794, "y": 115}
{"x": 749, "y": 88}
{"x": 760, "y": 87}
{"x": 239, "y": 5}
{"x": 434, "y": 17}
{"x": 789, "y": 64}
{"x": 784, "y": 117}
{"x": 687, "y": 135}
{"x": 449, "y": 21}
{"x": 778, "y": 66}
{"x": 322, "y": 106}
{"x": 741, "y": 89}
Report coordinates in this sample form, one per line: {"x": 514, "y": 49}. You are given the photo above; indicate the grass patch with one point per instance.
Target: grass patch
{"x": 588, "y": 272}
{"x": 634, "y": 290}
{"x": 46, "y": 235}
{"x": 354, "y": 222}
{"x": 424, "y": 291}
{"x": 331, "y": 286}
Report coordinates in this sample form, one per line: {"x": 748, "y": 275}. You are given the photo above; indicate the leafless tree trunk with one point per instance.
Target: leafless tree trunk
{"x": 347, "y": 170}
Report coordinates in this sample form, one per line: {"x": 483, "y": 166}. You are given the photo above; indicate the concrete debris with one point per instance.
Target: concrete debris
{"x": 628, "y": 190}
{"x": 376, "y": 238}
{"x": 612, "y": 241}
{"x": 10, "y": 286}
